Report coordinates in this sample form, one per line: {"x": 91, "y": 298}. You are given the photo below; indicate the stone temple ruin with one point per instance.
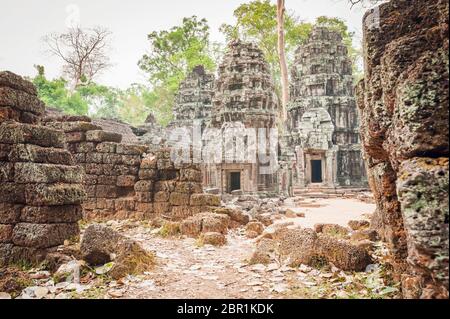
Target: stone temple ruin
{"x": 321, "y": 148}
{"x": 57, "y": 169}
{"x": 244, "y": 99}
{"x": 322, "y": 145}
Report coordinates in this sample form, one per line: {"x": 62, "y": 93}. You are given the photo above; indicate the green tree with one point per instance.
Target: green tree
{"x": 54, "y": 93}
{"x": 174, "y": 53}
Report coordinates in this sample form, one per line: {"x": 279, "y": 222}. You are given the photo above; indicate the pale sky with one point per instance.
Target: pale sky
{"x": 23, "y": 23}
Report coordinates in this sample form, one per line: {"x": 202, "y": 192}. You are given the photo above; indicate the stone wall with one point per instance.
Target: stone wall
{"x": 111, "y": 167}
{"x": 128, "y": 180}
{"x": 40, "y": 187}
{"x": 404, "y": 108}
{"x": 174, "y": 190}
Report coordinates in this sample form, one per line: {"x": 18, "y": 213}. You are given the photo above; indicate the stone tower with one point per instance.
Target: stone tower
{"x": 194, "y": 99}
{"x": 323, "y": 123}
{"x": 245, "y": 106}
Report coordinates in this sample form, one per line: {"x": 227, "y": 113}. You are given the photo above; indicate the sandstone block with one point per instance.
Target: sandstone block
{"x": 43, "y": 235}
{"x": 143, "y": 186}
{"x": 12, "y": 193}
{"x": 162, "y": 196}
{"x": 205, "y": 200}
{"x": 149, "y": 162}
{"x": 38, "y": 154}
{"x": 47, "y": 173}
{"x": 131, "y": 149}
{"x": 9, "y": 213}
{"x": 76, "y": 126}
{"x": 51, "y": 214}
{"x": 16, "y": 82}
{"x": 103, "y": 136}
{"x": 54, "y": 194}
{"x": 17, "y": 133}
{"x": 6, "y": 233}
{"x": 106, "y": 147}
{"x": 21, "y": 100}
{"x": 144, "y": 197}
{"x": 179, "y": 199}
{"x": 126, "y": 180}
{"x": 215, "y": 239}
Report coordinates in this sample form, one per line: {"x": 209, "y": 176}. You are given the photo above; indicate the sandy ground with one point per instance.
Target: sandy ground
{"x": 331, "y": 211}
{"x": 185, "y": 270}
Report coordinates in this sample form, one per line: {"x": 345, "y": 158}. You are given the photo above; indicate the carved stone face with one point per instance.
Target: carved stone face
{"x": 316, "y": 129}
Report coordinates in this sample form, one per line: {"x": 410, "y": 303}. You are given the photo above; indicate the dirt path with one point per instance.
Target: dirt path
{"x": 185, "y": 270}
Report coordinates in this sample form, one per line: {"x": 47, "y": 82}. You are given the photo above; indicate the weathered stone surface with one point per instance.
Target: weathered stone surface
{"x": 254, "y": 229}
{"x": 21, "y": 100}
{"x": 54, "y": 194}
{"x": 16, "y": 82}
{"x": 6, "y": 232}
{"x": 43, "y": 235}
{"x": 98, "y": 243}
{"x": 403, "y": 103}
{"x": 358, "y": 224}
{"x": 38, "y": 154}
{"x": 332, "y": 230}
{"x": 46, "y": 173}
{"x": 305, "y": 246}
{"x": 215, "y": 239}
{"x": 103, "y": 136}
{"x": 51, "y": 214}
{"x": 16, "y": 133}
{"x": 76, "y": 126}
{"x": 130, "y": 149}
{"x": 265, "y": 252}
{"x": 10, "y": 213}
{"x": 205, "y": 200}
{"x": 204, "y": 223}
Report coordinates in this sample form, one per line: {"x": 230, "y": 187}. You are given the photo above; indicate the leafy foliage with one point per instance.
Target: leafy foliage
{"x": 173, "y": 53}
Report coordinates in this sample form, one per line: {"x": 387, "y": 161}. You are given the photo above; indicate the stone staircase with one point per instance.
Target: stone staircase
{"x": 320, "y": 191}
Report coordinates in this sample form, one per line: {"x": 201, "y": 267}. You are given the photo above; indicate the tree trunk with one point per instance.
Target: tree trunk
{"x": 281, "y": 10}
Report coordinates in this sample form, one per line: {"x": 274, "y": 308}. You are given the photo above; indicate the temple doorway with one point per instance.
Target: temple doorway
{"x": 235, "y": 181}
{"x": 316, "y": 171}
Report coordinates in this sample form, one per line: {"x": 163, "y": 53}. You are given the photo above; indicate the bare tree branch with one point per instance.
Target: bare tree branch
{"x": 83, "y": 51}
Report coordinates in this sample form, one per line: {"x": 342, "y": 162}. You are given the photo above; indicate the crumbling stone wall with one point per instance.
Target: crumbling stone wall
{"x": 111, "y": 167}
{"x": 404, "y": 108}
{"x": 40, "y": 187}
{"x": 173, "y": 190}
{"x": 127, "y": 180}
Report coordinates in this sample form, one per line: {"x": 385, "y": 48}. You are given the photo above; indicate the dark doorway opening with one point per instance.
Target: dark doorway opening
{"x": 235, "y": 181}
{"x": 316, "y": 171}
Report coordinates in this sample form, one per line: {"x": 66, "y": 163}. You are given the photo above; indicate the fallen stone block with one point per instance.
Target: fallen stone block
{"x": 211, "y": 238}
